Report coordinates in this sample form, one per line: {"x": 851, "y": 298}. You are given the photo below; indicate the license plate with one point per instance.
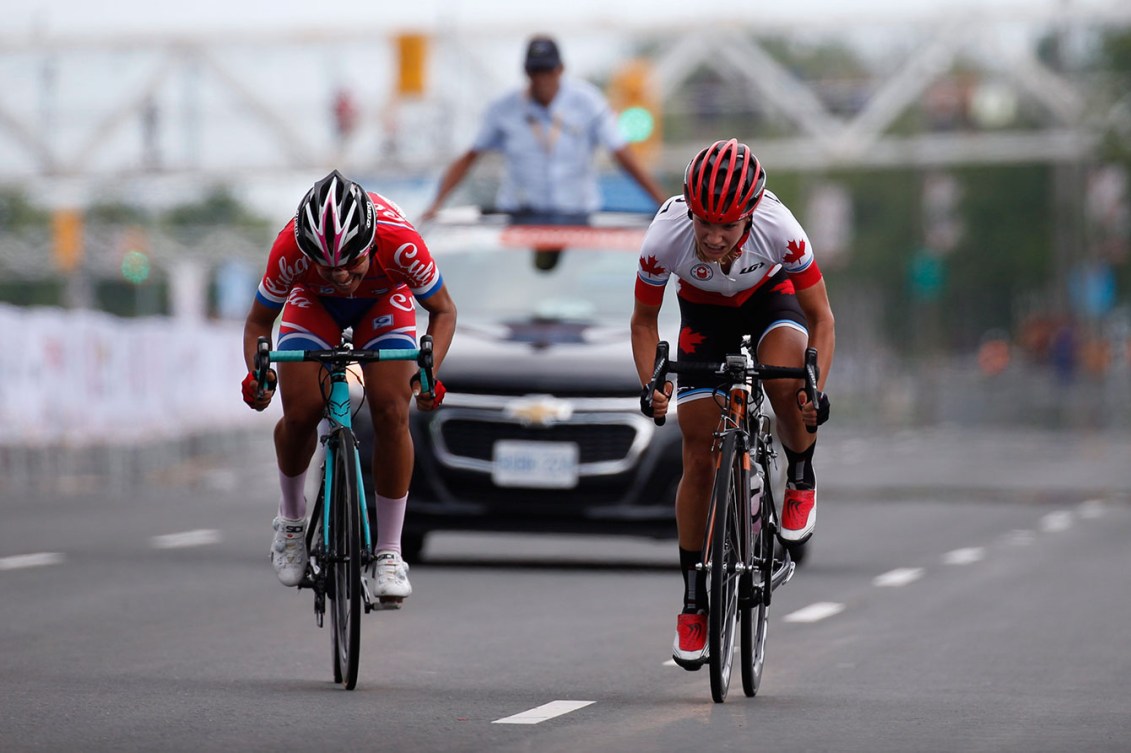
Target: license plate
{"x": 539, "y": 465}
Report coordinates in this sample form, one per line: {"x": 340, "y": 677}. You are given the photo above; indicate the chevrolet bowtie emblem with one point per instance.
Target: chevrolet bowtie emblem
{"x": 539, "y": 411}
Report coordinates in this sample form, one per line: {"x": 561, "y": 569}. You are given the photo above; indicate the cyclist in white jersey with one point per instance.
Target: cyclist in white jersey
{"x": 745, "y": 267}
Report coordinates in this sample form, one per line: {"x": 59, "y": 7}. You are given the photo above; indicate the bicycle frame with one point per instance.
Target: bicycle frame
{"x": 731, "y": 555}
{"x": 346, "y": 543}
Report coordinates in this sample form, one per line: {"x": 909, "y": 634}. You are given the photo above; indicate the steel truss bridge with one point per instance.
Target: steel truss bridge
{"x": 94, "y": 110}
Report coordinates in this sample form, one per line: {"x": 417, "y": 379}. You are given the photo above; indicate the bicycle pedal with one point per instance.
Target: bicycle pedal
{"x": 388, "y": 603}
{"x": 691, "y": 666}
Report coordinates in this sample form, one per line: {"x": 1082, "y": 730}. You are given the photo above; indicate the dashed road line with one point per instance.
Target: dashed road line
{"x": 199, "y": 537}
{"x": 22, "y": 561}
{"x": 966, "y": 556}
{"x": 815, "y": 612}
{"x": 1055, "y": 522}
{"x": 899, "y": 577}
{"x": 1092, "y": 508}
{"x": 1020, "y": 537}
{"x": 545, "y": 711}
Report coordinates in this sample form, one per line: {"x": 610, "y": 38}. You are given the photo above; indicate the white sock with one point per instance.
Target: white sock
{"x": 293, "y": 504}
{"x": 390, "y": 521}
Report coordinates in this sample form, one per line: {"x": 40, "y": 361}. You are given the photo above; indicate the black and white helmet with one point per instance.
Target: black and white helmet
{"x": 335, "y": 222}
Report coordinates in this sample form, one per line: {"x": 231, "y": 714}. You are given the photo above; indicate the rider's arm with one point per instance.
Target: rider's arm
{"x": 451, "y": 178}
{"x": 260, "y": 323}
{"x": 814, "y": 302}
{"x": 441, "y": 323}
{"x": 645, "y": 327}
{"x": 627, "y": 160}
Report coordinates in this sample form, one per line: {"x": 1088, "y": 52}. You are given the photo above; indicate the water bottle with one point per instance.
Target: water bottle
{"x": 756, "y": 482}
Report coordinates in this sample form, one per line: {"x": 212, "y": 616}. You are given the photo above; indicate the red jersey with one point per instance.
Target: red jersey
{"x": 400, "y": 260}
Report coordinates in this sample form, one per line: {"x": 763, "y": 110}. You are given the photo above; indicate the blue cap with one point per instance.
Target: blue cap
{"x": 542, "y": 55}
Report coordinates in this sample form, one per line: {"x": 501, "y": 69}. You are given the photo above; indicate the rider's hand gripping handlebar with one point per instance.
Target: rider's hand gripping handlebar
{"x": 659, "y": 375}
{"x": 263, "y": 373}
{"x": 812, "y": 372}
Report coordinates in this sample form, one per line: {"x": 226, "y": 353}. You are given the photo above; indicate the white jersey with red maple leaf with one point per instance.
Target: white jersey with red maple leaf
{"x": 776, "y": 241}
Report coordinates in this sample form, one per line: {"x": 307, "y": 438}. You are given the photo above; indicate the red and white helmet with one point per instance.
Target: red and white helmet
{"x": 335, "y": 222}
{"x": 724, "y": 183}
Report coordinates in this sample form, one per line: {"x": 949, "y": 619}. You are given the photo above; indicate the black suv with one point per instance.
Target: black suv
{"x": 541, "y": 429}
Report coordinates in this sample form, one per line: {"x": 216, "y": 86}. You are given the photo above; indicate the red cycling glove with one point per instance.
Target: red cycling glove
{"x": 438, "y": 390}
{"x": 251, "y": 388}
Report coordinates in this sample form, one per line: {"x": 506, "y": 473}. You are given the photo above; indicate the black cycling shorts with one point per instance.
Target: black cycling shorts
{"x": 710, "y": 333}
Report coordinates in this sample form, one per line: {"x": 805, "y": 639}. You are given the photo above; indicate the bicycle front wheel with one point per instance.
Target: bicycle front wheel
{"x": 726, "y": 552}
{"x": 345, "y": 558}
{"x": 754, "y": 614}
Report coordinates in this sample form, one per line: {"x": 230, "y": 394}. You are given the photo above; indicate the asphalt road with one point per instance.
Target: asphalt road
{"x": 963, "y": 593}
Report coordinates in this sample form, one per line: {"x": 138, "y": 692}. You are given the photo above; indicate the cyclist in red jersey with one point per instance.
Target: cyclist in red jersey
{"x": 745, "y": 268}
{"x": 348, "y": 259}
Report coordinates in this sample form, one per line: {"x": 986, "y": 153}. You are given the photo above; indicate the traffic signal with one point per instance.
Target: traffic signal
{"x": 412, "y": 63}
{"x": 67, "y": 232}
{"x": 633, "y": 94}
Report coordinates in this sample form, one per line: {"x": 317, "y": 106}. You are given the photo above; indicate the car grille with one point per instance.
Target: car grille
{"x": 609, "y": 441}
{"x": 596, "y": 442}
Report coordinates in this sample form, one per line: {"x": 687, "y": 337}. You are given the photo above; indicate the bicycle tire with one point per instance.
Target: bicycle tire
{"x": 726, "y": 552}
{"x": 754, "y": 616}
{"x": 345, "y": 558}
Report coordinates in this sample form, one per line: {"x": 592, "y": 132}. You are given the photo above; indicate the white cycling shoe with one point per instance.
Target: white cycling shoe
{"x": 389, "y": 584}
{"x": 288, "y": 550}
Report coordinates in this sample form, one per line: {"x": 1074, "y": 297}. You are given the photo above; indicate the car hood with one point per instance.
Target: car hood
{"x": 559, "y": 357}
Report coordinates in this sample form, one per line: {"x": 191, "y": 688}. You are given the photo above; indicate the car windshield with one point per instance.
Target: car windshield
{"x": 508, "y": 279}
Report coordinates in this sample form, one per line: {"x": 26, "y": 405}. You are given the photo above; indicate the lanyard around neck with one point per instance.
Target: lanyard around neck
{"x": 547, "y": 136}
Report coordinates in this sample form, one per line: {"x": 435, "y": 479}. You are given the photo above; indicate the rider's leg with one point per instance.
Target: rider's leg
{"x": 296, "y": 433}
{"x": 698, "y": 419}
{"x": 784, "y": 345}
{"x": 388, "y": 391}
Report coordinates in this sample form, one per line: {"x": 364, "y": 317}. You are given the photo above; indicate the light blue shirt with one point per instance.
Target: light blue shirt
{"x": 548, "y": 152}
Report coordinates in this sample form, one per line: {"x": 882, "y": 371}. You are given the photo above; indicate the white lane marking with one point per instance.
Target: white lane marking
{"x": 815, "y": 612}
{"x": 544, "y": 712}
{"x": 1055, "y": 522}
{"x": 899, "y": 577}
{"x": 1092, "y": 508}
{"x": 199, "y": 537}
{"x": 21, "y": 561}
{"x": 964, "y": 556}
{"x": 1020, "y": 537}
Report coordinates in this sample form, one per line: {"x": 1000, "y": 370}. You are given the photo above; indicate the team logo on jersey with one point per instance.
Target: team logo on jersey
{"x": 796, "y": 251}
{"x": 420, "y": 273}
{"x": 401, "y": 301}
{"x": 702, "y": 272}
{"x": 689, "y": 340}
{"x": 650, "y": 266}
{"x": 382, "y": 322}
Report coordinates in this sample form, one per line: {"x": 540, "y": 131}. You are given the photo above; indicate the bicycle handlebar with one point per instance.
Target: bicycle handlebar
{"x": 343, "y": 356}
{"x": 736, "y": 368}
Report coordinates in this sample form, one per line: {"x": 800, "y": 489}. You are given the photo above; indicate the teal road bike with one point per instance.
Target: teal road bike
{"x": 338, "y": 539}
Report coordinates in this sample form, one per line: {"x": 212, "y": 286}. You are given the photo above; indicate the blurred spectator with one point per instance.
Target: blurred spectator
{"x": 1063, "y": 351}
{"x": 548, "y": 133}
{"x": 345, "y": 114}
{"x": 994, "y": 353}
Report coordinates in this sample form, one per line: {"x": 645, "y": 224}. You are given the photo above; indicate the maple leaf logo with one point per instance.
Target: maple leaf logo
{"x": 796, "y": 251}
{"x": 649, "y": 266}
{"x": 786, "y": 288}
{"x": 689, "y": 340}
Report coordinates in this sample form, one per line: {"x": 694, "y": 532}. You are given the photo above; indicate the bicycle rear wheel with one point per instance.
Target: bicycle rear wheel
{"x": 754, "y": 614}
{"x": 345, "y": 558}
{"x": 726, "y": 550}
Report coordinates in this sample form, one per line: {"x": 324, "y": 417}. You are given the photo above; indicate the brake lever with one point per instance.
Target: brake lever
{"x": 812, "y": 371}
{"x": 659, "y": 374}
